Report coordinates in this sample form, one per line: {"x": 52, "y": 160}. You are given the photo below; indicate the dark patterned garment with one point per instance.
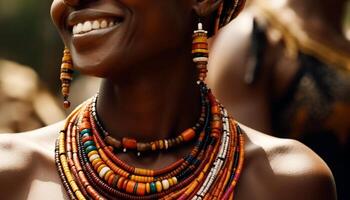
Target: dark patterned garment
{"x": 315, "y": 110}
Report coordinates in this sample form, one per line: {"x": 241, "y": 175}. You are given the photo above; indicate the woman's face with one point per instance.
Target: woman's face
{"x": 108, "y": 36}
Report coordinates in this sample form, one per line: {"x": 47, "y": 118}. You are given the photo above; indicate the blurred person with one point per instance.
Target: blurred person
{"x": 22, "y": 99}
{"x": 154, "y": 130}
{"x": 284, "y": 68}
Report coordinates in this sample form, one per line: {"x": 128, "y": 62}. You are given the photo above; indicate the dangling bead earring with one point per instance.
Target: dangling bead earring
{"x": 66, "y": 76}
{"x": 200, "y": 51}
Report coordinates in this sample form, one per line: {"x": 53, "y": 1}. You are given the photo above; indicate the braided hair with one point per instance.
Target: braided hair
{"x": 228, "y": 10}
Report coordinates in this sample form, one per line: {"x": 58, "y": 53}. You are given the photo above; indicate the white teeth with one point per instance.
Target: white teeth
{"x": 96, "y": 25}
{"x": 75, "y": 30}
{"x": 104, "y": 24}
{"x": 79, "y": 28}
{"x": 88, "y": 26}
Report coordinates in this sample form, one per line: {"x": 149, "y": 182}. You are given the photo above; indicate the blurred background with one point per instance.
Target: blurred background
{"x": 30, "y": 56}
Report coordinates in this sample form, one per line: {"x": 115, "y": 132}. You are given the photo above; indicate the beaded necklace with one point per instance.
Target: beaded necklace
{"x": 90, "y": 168}
{"x": 132, "y": 144}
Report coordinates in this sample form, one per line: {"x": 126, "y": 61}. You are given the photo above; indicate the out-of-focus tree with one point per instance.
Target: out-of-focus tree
{"x": 27, "y": 36}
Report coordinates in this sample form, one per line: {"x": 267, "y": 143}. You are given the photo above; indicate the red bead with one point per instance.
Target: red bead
{"x": 66, "y": 104}
{"x": 129, "y": 143}
{"x": 188, "y": 134}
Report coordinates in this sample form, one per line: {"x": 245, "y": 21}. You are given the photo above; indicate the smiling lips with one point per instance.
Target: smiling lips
{"x": 88, "y": 26}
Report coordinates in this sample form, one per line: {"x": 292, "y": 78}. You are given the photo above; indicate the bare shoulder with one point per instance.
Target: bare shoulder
{"x": 292, "y": 170}
{"x": 36, "y": 141}
{"x": 25, "y": 157}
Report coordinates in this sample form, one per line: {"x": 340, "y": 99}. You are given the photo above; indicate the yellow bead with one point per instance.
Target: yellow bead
{"x": 96, "y": 161}
{"x": 100, "y": 168}
{"x": 92, "y": 153}
{"x": 74, "y": 186}
{"x": 148, "y": 188}
{"x": 174, "y": 180}
{"x": 159, "y": 186}
{"x": 79, "y": 195}
{"x": 171, "y": 182}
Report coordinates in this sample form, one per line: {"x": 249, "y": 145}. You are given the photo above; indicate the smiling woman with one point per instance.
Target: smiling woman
{"x": 154, "y": 130}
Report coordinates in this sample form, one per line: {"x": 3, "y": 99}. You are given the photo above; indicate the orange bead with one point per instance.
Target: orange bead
{"x": 108, "y": 174}
{"x": 98, "y": 165}
{"x": 215, "y": 110}
{"x": 85, "y": 139}
{"x": 129, "y": 143}
{"x": 130, "y": 187}
{"x": 85, "y": 125}
{"x": 110, "y": 179}
{"x": 215, "y": 135}
{"x": 141, "y": 189}
{"x": 120, "y": 183}
{"x": 188, "y": 134}
{"x": 159, "y": 186}
{"x": 154, "y": 146}
{"x": 94, "y": 162}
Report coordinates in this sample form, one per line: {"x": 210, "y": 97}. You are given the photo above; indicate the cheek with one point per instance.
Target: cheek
{"x": 56, "y": 11}
{"x": 162, "y": 28}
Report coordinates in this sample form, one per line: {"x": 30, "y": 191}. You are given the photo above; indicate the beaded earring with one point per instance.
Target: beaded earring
{"x": 66, "y": 76}
{"x": 200, "y": 51}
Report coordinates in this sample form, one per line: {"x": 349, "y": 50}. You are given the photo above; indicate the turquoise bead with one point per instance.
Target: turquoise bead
{"x": 88, "y": 143}
{"x": 85, "y": 131}
{"x": 86, "y": 135}
{"x": 153, "y": 187}
{"x": 89, "y": 149}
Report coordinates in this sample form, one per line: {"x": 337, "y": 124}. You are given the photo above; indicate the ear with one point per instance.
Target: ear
{"x": 204, "y": 8}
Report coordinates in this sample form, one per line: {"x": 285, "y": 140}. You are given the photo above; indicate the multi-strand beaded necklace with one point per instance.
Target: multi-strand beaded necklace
{"x": 90, "y": 168}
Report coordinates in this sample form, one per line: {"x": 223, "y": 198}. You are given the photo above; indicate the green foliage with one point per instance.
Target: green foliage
{"x": 27, "y": 36}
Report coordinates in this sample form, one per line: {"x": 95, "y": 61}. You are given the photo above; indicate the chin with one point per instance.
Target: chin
{"x": 102, "y": 66}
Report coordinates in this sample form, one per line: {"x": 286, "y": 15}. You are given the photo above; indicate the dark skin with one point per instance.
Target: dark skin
{"x": 321, "y": 21}
{"x": 149, "y": 101}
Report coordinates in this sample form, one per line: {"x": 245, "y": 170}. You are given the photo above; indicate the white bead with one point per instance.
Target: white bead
{"x": 200, "y": 59}
{"x": 165, "y": 184}
{"x": 166, "y": 144}
{"x": 200, "y": 26}
{"x": 93, "y": 157}
{"x": 103, "y": 172}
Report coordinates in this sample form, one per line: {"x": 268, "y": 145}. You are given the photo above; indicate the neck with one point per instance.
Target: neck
{"x": 156, "y": 103}
{"x": 320, "y": 16}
